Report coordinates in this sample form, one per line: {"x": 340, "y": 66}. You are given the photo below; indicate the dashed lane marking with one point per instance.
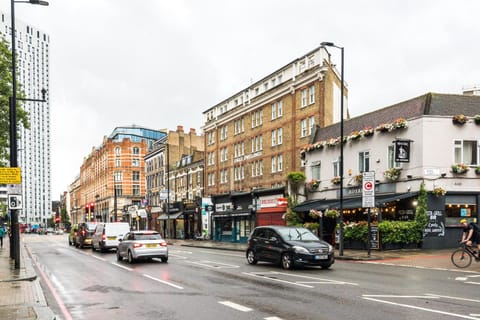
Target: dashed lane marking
{"x": 284, "y": 278}
{"x": 123, "y": 267}
{"x": 235, "y": 306}
{"x": 213, "y": 264}
{"x": 163, "y": 281}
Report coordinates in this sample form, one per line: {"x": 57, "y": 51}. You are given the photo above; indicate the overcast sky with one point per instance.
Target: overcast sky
{"x": 160, "y": 64}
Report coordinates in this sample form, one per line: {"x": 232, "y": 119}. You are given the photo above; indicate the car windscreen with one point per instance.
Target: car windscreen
{"x": 297, "y": 234}
{"x": 90, "y": 227}
{"x": 147, "y": 236}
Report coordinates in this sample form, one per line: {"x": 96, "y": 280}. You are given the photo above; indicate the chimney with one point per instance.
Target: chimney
{"x": 192, "y": 131}
{"x": 180, "y": 129}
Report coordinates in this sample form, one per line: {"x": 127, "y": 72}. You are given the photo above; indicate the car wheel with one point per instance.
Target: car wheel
{"x": 119, "y": 257}
{"x": 287, "y": 262}
{"x": 251, "y": 257}
{"x": 130, "y": 257}
{"x": 164, "y": 259}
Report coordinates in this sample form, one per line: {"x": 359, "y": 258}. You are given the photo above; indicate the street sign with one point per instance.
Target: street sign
{"x": 14, "y": 201}
{"x": 10, "y": 175}
{"x": 368, "y": 189}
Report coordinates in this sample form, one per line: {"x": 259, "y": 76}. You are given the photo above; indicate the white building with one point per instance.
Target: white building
{"x": 434, "y": 142}
{"x": 32, "y": 54}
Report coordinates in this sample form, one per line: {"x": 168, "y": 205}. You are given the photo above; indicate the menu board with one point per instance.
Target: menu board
{"x": 435, "y": 225}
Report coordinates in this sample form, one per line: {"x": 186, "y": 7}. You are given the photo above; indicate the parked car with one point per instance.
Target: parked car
{"x": 84, "y": 234}
{"x": 72, "y": 236}
{"x": 107, "y": 234}
{"x": 288, "y": 246}
{"x": 142, "y": 245}
{"x": 49, "y": 230}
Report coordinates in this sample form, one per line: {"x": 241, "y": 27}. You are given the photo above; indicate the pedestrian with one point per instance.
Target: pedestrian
{"x": 2, "y": 234}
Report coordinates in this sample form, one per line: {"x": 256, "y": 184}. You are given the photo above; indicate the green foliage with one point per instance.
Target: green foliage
{"x": 5, "y": 93}
{"x": 421, "y": 213}
{"x": 312, "y": 226}
{"x": 356, "y": 232}
{"x": 291, "y": 217}
{"x": 296, "y": 179}
{"x": 404, "y": 232}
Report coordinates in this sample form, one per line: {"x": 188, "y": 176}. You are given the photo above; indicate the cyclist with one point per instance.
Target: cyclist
{"x": 471, "y": 233}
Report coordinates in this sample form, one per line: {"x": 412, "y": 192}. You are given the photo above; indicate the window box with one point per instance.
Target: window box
{"x": 460, "y": 168}
{"x": 459, "y": 119}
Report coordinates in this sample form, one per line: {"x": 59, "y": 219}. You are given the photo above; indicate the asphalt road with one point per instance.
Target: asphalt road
{"x": 200, "y": 284}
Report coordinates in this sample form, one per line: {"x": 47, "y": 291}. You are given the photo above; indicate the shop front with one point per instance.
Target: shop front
{"x": 271, "y": 206}
{"x": 171, "y": 222}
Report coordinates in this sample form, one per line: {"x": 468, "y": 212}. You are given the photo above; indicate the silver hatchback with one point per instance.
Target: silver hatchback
{"x": 146, "y": 244}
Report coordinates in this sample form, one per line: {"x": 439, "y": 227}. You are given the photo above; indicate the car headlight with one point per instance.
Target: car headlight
{"x": 330, "y": 248}
{"x": 299, "y": 249}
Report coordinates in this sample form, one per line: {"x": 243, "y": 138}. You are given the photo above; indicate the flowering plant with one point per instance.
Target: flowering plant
{"x": 367, "y": 131}
{"x": 335, "y": 180}
{"x": 460, "y": 168}
{"x": 332, "y": 213}
{"x": 399, "y": 123}
{"x": 313, "y": 184}
{"x": 316, "y": 213}
{"x": 459, "y": 119}
{"x": 476, "y": 119}
{"x": 392, "y": 174}
{"x": 354, "y": 135}
{"x": 333, "y": 142}
{"x": 384, "y": 127}
{"x": 477, "y": 170}
{"x": 358, "y": 178}
{"x": 438, "y": 191}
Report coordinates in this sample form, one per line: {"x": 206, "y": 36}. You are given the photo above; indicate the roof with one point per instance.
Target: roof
{"x": 427, "y": 104}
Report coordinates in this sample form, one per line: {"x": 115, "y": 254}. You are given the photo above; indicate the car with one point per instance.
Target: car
{"x": 49, "y": 230}
{"x": 106, "y": 235}
{"x": 145, "y": 244}
{"x": 84, "y": 234}
{"x": 59, "y": 231}
{"x": 289, "y": 247}
{"x": 72, "y": 235}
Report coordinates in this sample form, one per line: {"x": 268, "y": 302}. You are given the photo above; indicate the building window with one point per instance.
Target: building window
{"x": 118, "y": 162}
{"x": 136, "y": 190}
{"x": 118, "y": 151}
{"x": 311, "y": 94}
{"x": 239, "y": 126}
{"x": 467, "y": 151}
{"x": 274, "y": 138}
{"x": 280, "y": 108}
{"x": 257, "y": 118}
{"x": 211, "y": 137}
{"x": 391, "y": 157}
{"x": 311, "y": 124}
{"x": 303, "y": 128}
{"x": 364, "y": 161}
{"x": 280, "y": 163}
{"x": 274, "y": 111}
{"x": 279, "y": 136}
{"x": 118, "y": 190}
{"x": 211, "y": 179}
{"x": 117, "y": 176}
{"x": 257, "y": 143}
{"x": 304, "y": 98}
{"x": 274, "y": 164}
{"x": 136, "y": 150}
{"x": 257, "y": 168}
{"x": 223, "y": 133}
{"x": 315, "y": 170}
{"x": 336, "y": 168}
{"x": 136, "y": 176}
{"x": 224, "y": 154}
{"x": 135, "y": 162}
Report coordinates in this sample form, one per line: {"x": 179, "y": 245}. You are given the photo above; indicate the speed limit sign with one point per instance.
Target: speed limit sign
{"x": 14, "y": 201}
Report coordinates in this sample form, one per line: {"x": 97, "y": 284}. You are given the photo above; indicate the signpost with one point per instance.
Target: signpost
{"x": 368, "y": 200}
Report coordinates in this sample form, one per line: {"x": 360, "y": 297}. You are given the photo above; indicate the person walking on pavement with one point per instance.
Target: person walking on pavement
{"x": 471, "y": 233}
{"x": 2, "y": 234}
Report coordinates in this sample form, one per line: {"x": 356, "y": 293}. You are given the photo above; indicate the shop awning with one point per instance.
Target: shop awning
{"x": 171, "y": 216}
{"x": 351, "y": 203}
{"x": 235, "y": 213}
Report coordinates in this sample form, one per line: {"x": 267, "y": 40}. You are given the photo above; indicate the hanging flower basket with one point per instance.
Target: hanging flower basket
{"x": 332, "y": 213}
{"x": 335, "y": 180}
{"x": 367, "y": 132}
{"x": 358, "y": 178}
{"x": 399, "y": 123}
{"x": 459, "y": 119}
{"x": 315, "y": 213}
{"x": 476, "y": 119}
{"x": 460, "y": 168}
{"x": 313, "y": 185}
{"x": 438, "y": 191}
{"x": 392, "y": 174}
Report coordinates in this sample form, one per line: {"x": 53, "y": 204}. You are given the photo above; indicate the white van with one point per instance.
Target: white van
{"x": 106, "y": 235}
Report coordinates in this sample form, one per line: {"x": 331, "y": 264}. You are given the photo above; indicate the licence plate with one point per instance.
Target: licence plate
{"x": 322, "y": 257}
{"x": 112, "y": 238}
{"x": 151, "y": 245}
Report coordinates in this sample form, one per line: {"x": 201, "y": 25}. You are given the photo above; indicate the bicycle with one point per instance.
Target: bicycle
{"x": 463, "y": 256}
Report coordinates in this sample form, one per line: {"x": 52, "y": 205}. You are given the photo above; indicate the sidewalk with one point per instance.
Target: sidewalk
{"x": 21, "y": 296}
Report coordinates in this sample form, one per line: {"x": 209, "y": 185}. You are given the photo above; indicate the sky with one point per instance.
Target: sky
{"x": 159, "y": 64}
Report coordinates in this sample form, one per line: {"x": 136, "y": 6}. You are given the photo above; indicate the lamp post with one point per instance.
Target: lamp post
{"x": 15, "y": 234}
{"x": 331, "y": 44}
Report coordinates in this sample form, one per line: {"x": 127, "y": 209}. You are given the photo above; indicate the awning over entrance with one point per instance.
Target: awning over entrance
{"x": 352, "y": 203}
{"x": 171, "y": 216}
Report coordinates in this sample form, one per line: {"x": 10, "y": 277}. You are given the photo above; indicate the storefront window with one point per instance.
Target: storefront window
{"x": 459, "y": 207}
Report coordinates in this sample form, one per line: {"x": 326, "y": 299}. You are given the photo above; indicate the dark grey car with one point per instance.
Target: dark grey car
{"x": 288, "y": 246}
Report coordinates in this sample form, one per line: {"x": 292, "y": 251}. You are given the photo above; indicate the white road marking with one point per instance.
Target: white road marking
{"x": 277, "y": 280}
{"x": 453, "y": 298}
{"x": 99, "y": 258}
{"x": 235, "y": 306}
{"x": 213, "y": 264}
{"x": 123, "y": 267}
{"x": 272, "y": 318}
{"x": 415, "y": 267}
{"x": 305, "y": 284}
{"x": 471, "y": 282}
{"x": 181, "y": 251}
{"x": 427, "y": 296}
{"x": 164, "y": 282}
{"x": 177, "y": 256}
{"x": 314, "y": 278}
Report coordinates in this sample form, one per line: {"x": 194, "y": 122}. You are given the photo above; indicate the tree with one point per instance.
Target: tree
{"x": 295, "y": 180}
{"x": 421, "y": 212}
{"x": 5, "y": 93}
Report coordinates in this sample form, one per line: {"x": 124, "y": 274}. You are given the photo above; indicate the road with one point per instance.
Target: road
{"x": 202, "y": 284}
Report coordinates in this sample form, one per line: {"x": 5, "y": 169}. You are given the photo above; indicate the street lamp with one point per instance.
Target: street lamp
{"x": 15, "y": 235}
{"x": 331, "y": 44}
